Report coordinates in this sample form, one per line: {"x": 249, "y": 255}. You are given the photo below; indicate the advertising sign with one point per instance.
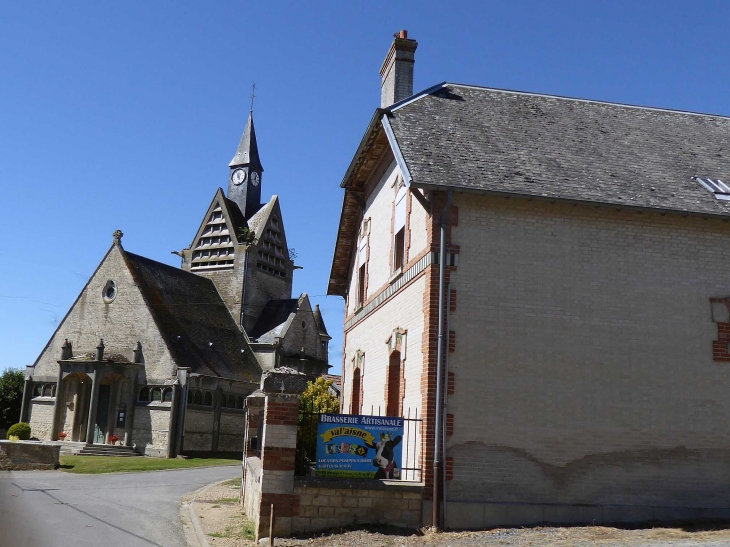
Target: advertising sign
{"x": 363, "y": 447}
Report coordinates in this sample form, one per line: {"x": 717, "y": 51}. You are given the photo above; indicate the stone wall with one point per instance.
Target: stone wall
{"x": 231, "y": 432}
{"x": 325, "y": 504}
{"x": 21, "y": 455}
{"x": 252, "y": 489}
{"x": 119, "y": 323}
{"x": 41, "y": 417}
{"x": 199, "y": 430}
{"x": 151, "y": 429}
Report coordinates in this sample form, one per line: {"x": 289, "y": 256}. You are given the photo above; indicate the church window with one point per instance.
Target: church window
{"x": 190, "y": 397}
{"x": 198, "y": 398}
{"x": 208, "y": 399}
{"x": 144, "y": 395}
{"x": 48, "y": 390}
{"x": 38, "y": 390}
{"x": 231, "y": 401}
{"x": 109, "y": 292}
{"x": 156, "y": 394}
{"x": 167, "y": 395}
{"x": 239, "y": 402}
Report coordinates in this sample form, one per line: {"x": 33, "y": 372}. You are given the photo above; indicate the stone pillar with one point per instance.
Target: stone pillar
{"x": 131, "y": 401}
{"x": 282, "y": 388}
{"x": 27, "y": 394}
{"x": 93, "y": 404}
{"x": 218, "y": 393}
{"x": 254, "y": 405}
{"x": 58, "y": 405}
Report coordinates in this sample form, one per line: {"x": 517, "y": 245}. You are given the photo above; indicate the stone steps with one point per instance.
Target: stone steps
{"x": 107, "y": 450}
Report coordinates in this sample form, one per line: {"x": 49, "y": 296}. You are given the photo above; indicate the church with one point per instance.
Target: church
{"x": 157, "y": 360}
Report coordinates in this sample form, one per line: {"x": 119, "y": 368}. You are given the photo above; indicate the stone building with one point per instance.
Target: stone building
{"x": 584, "y": 312}
{"x": 160, "y": 358}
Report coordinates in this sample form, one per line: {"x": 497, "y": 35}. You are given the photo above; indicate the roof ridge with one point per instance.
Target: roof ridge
{"x": 431, "y": 90}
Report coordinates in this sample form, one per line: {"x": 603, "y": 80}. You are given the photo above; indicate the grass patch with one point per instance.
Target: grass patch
{"x": 247, "y": 530}
{"x": 94, "y": 465}
{"x": 227, "y": 500}
{"x": 234, "y": 483}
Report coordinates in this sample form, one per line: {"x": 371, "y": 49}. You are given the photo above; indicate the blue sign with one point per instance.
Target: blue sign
{"x": 363, "y": 447}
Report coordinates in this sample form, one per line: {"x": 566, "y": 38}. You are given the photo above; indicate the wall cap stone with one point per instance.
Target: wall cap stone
{"x": 286, "y": 381}
{"x": 358, "y": 484}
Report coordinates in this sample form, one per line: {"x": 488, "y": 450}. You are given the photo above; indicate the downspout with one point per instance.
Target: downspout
{"x": 439, "y": 366}
{"x": 445, "y": 406}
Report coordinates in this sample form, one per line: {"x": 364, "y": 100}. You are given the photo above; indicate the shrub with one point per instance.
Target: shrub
{"x": 13, "y": 438}
{"x": 20, "y": 430}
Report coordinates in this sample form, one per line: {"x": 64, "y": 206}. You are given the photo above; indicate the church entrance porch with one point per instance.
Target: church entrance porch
{"x": 95, "y": 398}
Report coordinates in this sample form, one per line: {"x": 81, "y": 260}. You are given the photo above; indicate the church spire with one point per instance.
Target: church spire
{"x": 248, "y": 151}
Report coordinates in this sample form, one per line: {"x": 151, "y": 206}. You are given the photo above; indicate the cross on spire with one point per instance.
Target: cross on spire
{"x": 253, "y": 89}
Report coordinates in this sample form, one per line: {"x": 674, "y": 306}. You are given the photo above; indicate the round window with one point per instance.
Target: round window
{"x": 109, "y": 292}
{"x": 304, "y": 325}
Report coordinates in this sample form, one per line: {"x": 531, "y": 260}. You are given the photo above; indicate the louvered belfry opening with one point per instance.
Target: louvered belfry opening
{"x": 214, "y": 248}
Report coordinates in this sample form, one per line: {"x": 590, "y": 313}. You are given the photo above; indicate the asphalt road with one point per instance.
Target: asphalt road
{"x": 56, "y": 509}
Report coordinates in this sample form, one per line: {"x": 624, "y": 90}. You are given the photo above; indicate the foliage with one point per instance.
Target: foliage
{"x": 316, "y": 399}
{"x": 11, "y": 396}
{"x": 13, "y": 438}
{"x": 246, "y": 235}
{"x": 20, "y": 430}
{"x": 292, "y": 254}
{"x": 95, "y": 465}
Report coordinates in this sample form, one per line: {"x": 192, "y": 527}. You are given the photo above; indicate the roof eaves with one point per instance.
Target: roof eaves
{"x": 366, "y": 138}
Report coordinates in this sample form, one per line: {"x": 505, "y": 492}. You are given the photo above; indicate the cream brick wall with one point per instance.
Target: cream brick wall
{"x": 369, "y": 336}
{"x": 583, "y": 364}
{"x": 124, "y": 319}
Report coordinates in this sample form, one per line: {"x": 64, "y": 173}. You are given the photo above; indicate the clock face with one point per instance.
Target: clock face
{"x": 238, "y": 176}
{"x": 255, "y": 178}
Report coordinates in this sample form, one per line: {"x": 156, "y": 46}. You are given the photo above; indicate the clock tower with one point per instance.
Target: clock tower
{"x": 244, "y": 180}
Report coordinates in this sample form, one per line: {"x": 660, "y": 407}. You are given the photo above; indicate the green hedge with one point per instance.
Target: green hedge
{"x": 20, "y": 430}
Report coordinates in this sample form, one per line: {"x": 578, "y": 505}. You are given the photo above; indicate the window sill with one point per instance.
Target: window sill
{"x": 395, "y": 276}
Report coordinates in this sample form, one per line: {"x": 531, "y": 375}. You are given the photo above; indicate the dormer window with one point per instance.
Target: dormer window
{"x": 718, "y": 188}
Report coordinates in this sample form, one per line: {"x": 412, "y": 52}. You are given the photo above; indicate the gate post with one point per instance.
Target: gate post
{"x": 282, "y": 388}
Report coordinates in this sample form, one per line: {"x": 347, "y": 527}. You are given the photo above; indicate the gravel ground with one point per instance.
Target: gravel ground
{"x": 223, "y": 522}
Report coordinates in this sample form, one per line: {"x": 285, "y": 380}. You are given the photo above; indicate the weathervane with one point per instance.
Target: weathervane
{"x": 253, "y": 89}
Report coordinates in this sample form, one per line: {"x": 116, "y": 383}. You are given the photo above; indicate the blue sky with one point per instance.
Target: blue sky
{"x": 125, "y": 115}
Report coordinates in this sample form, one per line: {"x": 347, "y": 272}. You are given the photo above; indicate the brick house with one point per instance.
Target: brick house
{"x": 162, "y": 358}
{"x": 584, "y": 317}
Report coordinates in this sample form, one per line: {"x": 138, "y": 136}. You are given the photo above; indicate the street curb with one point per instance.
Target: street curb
{"x": 189, "y": 516}
{"x": 199, "y": 534}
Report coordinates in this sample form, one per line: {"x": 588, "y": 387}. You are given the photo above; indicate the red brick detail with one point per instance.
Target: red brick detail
{"x": 449, "y": 424}
{"x": 450, "y": 384}
{"x": 449, "y": 468}
{"x": 721, "y": 346}
{"x": 276, "y": 458}
{"x": 285, "y": 505}
{"x": 278, "y": 413}
{"x": 452, "y": 341}
{"x": 452, "y": 300}
{"x": 430, "y": 336}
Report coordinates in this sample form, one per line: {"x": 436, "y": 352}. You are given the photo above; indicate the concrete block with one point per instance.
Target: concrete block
{"x": 464, "y": 516}
{"x": 513, "y": 514}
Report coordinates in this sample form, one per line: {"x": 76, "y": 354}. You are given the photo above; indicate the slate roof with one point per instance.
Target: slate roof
{"x": 193, "y": 320}
{"x": 247, "y": 152}
{"x": 274, "y": 314}
{"x": 495, "y": 141}
{"x": 511, "y": 143}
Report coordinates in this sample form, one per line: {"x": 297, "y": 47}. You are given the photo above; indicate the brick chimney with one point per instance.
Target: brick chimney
{"x": 396, "y": 73}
